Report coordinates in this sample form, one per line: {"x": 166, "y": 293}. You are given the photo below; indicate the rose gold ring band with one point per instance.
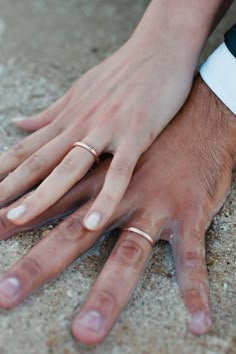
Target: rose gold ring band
{"x": 88, "y": 148}
{"x": 141, "y": 233}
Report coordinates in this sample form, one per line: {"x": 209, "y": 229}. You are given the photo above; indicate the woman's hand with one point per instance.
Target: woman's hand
{"x": 178, "y": 186}
{"x": 119, "y": 107}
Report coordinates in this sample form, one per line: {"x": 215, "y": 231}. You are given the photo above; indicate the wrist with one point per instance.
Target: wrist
{"x": 180, "y": 26}
{"x": 216, "y": 123}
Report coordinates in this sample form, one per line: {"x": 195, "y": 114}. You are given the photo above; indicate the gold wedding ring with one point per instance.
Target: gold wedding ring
{"x": 140, "y": 233}
{"x": 88, "y": 148}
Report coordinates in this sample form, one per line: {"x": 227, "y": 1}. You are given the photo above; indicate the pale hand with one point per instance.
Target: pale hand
{"x": 118, "y": 107}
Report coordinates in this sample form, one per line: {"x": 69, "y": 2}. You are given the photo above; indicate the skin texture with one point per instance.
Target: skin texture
{"x": 118, "y": 107}
{"x": 178, "y": 185}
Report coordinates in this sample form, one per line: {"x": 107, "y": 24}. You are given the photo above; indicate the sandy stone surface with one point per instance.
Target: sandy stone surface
{"x": 45, "y": 45}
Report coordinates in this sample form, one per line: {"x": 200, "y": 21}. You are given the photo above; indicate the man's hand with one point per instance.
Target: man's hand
{"x": 178, "y": 186}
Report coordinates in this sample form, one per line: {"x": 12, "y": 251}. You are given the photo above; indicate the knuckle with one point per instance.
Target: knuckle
{"x": 106, "y": 297}
{"x": 31, "y": 266}
{"x": 195, "y": 291}
{"x": 18, "y": 151}
{"x": 60, "y": 233}
{"x": 34, "y": 162}
{"x": 112, "y": 112}
{"x": 58, "y": 126}
{"x": 193, "y": 259}
{"x": 109, "y": 197}
{"x": 122, "y": 168}
{"x": 72, "y": 227}
{"x": 70, "y": 230}
{"x": 192, "y": 297}
{"x": 129, "y": 252}
{"x": 67, "y": 163}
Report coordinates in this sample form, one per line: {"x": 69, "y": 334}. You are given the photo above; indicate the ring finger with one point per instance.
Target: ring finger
{"x": 71, "y": 170}
{"x": 116, "y": 283}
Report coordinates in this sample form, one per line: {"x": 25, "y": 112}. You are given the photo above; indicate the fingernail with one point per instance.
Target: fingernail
{"x": 9, "y": 287}
{"x": 200, "y": 322}
{"x": 92, "y": 221}
{"x": 18, "y": 119}
{"x": 91, "y": 320}
{"x": 15, "y": 213}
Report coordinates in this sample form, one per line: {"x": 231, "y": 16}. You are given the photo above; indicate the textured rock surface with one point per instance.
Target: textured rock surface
{"x": 45, "y": 45}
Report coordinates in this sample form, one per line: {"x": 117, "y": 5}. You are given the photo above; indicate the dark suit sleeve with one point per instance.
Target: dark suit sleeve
{"x": 230, "y": 40}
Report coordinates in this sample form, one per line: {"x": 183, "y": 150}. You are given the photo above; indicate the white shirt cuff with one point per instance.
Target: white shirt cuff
{"x": 219, "y": 73}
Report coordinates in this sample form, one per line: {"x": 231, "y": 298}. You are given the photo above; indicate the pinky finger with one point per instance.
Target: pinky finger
{"x": 44, "y": 118}
{"x": 189, "y": 254}
{"x": 115, "y": 185}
